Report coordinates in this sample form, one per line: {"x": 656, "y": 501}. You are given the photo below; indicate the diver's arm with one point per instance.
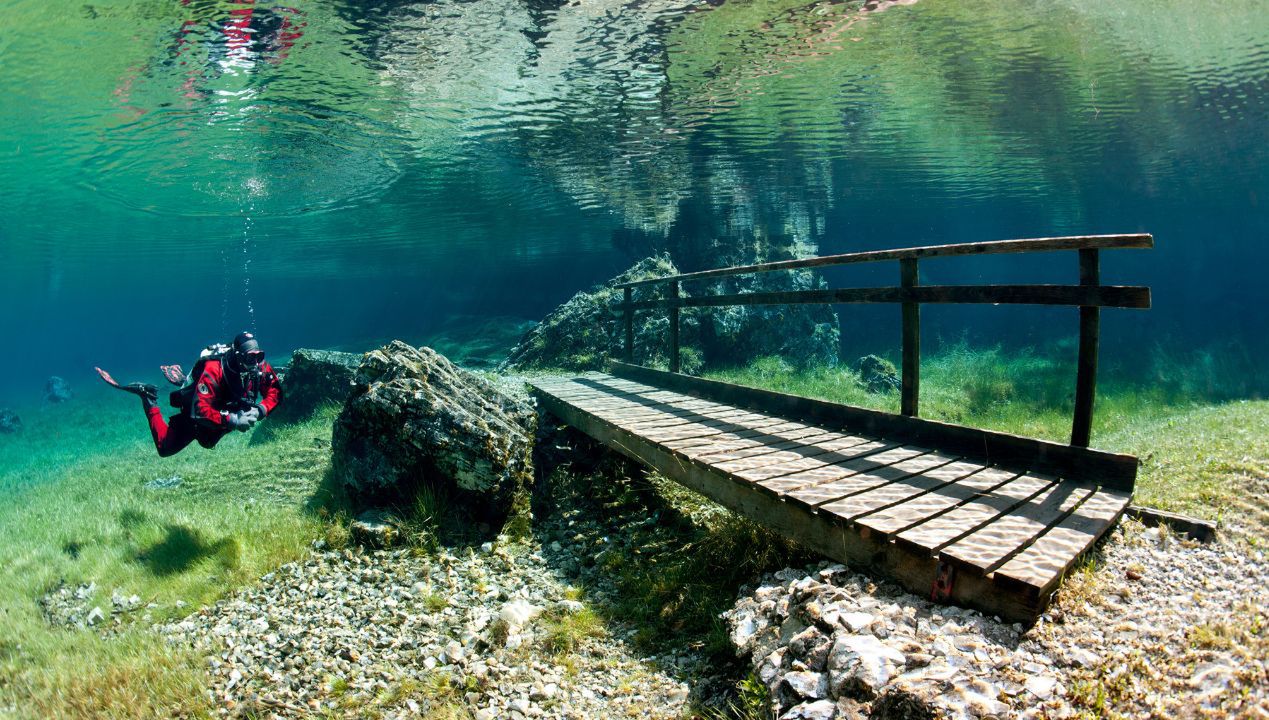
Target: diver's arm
{"x": 205, "y": 392}
{"x": 272, "y": 391}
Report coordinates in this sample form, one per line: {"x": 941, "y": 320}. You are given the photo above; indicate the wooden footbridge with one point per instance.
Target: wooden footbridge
{"x": 974, "y": 517}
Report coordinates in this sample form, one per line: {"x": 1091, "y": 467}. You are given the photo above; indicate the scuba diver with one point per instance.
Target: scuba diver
{"x": 231, "y": 387}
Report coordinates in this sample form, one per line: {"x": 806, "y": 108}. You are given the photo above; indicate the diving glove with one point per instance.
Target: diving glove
{"x": 241, "y": 421}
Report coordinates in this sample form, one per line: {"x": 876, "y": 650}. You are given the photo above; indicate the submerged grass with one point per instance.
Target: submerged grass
{"x": 1202, "y": 454}
{"x": 75, "y": 510}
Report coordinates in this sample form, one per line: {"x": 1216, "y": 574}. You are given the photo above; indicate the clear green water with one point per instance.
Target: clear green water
{"x": 334, "y": 173}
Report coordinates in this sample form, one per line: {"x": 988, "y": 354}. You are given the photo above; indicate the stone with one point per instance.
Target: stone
{"x": 584, "y": 332}
{"x": 877, "y": 375}
{"x": 860, "y": 665}
{"x": 855, "y": 621}
{"x": 902, "y": 705}
{"x": 57, "y": 390}
{"x": 1041, "y": 686}
{"x": 807, "y": 685}
{"x": 9, "y": 421}
{"x": 314, "y": 378}
{"x": 376, "y": 528}
{"x": 817, "y": 710}
{"x": 571, "y": 607}
{"x": 164, "y": 483}
{"x": 94, "y": 616}
{"x": 518, "y": 613}
{"x": 417, "y": 420}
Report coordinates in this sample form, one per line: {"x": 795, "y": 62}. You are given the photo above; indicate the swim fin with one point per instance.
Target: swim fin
{"x": 147, "y": 392}
{"x": 174, "y": 374}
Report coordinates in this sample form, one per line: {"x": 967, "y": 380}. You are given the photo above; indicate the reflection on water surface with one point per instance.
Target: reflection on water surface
{"x": 448, "y": 156}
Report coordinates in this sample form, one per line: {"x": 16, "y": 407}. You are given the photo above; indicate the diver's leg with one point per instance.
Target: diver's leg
{"x": 208, "y": 437}
{"x": 169, "y": 437}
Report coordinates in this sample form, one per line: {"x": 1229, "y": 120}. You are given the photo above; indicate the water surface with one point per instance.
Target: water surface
{"x": 332, "y": 173}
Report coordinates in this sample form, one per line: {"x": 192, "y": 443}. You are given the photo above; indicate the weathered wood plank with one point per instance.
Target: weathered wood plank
{"x": 989, "y": 547}
{"x": 838, "y": 464}
{"x": 950, "y": 491}
{"x": 741, "y": 439}
{"x": 837, "y": 497}
{"x": 1038, "y": 569}
{"x": 916, "y": 481}
{"x": 932, "y": 535}
{"x": 1073, "y": 242}
{"x": 874, "y": 469}
{"x": 808, "y": 460}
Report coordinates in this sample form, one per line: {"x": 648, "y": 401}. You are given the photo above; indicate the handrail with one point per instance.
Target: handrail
{"x": 1089, "y": 295}
{"x": 994, "y": 247}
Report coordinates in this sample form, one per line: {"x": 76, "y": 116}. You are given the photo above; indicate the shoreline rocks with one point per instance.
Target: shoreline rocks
{"x": 825, "y": 636}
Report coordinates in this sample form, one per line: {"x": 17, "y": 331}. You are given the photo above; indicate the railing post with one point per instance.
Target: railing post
{"x": 674, "y": 327}
{"x": 627, "y": 298}
{"x": 911, "y": 340}
{"x": 1086, "y": 374}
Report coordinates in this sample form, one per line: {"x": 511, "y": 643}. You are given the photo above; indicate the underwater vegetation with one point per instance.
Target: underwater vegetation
{"x": 92, "y": 520}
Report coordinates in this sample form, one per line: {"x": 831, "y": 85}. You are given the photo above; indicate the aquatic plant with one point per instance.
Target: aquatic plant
{"x": 77, "y": 511}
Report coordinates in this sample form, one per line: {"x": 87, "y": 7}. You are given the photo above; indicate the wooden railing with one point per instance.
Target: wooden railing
{"x": 1089, "y": 295}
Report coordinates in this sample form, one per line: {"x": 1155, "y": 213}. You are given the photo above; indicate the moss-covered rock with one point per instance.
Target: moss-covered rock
{"x": 878, "y": 375}
{"x": 415, "y": 419}
{"x": 314, "y": 378}
{"x": 586, "y": 331}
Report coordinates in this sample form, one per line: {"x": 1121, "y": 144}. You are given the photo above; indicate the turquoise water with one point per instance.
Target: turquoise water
{"x": 336, "y": 173}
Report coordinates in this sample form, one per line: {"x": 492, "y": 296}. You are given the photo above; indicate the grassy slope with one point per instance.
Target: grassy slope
{"x": 74, "y": 509}
{"x": 1198, "y": 458}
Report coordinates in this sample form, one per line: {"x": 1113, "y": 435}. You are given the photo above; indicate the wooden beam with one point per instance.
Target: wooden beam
{"x": 908, "y": 280}
{"x": 1073, "y": 242}
{"x": 674, "y": 329}
{"x": 629, "y": 319}
{"x": 994, "y": 448}
{"x": 1086, "y": 372}
{"x": 1080, "y": 295}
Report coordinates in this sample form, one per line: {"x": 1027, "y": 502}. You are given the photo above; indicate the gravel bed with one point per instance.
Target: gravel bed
{"x": 399, "y": 633}
{"x": 1157, "y": 627}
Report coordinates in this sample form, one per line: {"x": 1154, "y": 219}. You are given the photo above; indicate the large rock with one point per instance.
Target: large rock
{"x": 878, "y": 375}
{"x": 585, "y": 331}
{"x": 57, "y": 390}
{"x": 314, "y": 378}
{"x": 9, "y": 421}
{"x": 417, "y": 420}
